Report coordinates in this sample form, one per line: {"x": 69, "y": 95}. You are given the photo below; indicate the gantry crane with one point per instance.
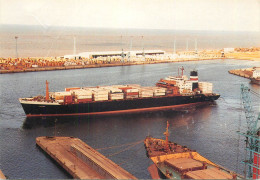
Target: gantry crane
{"x": 252, "y": 160}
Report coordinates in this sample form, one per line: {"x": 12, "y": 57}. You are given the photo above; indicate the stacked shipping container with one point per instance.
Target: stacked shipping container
{"x": 82, "y": 95}
{"x": 170, "y": 86}
{"x": 206, "y": 87}
{"x": 100, "y": 94}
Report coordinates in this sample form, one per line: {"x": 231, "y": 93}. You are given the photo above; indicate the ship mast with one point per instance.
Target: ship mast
{"x": 47, "y": 91}
{"x": 166, "y": 133}
{"x": 182, "y": 69}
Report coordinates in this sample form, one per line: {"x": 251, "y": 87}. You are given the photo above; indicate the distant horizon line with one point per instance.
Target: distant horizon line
{"x": 127, "y": 28}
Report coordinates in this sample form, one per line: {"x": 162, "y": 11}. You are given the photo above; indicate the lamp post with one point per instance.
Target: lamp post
{"x": 16, "y": 37}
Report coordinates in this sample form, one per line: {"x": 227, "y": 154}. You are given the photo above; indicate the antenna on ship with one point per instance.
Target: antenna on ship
{"x": 47, "y": 91}
{"x": 182, "y": 69}
{"x": 166, "y": 133}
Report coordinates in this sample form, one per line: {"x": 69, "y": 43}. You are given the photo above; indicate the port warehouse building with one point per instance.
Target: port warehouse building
{"x": 114, "y": 53}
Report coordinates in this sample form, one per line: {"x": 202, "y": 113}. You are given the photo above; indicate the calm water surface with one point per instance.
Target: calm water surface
{"x": 211, "y": 130}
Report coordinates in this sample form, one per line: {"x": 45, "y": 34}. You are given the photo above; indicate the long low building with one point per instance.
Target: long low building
{"x": 114, "y": 53}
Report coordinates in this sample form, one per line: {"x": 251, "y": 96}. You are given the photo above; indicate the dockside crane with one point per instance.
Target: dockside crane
{"x": 252, "y": 134}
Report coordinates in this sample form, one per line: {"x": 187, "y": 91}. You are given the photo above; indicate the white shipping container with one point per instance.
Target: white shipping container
{"x": 84, "y": 97}
{"x": 100, "y": 99}
{"x": 159, "y": 94}
{"x": 146, "y": 92}
{"x": 115, "y": 90}
{"x": 206, "y": 91}
{"x": 206, "y": 84}
{"x": 100, "y": 96}
{"x": 116, "y": 97}
{"x": 147, "y": 89}
{"x": 159, "y": 90}
{"x": 146, "y": 95}
{"x": 82, "y": 92}
{"x": 100, "y": 93}
{"x": 132, "y": 90}
{"x": 116, "y": 94}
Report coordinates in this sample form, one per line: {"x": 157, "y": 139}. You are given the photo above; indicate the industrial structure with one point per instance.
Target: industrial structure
{"x": 120, "y": 53}
{"x": 252, "y": 161}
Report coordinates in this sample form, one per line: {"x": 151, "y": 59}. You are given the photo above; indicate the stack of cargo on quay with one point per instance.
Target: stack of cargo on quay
{"x": 169, "y": 93}
{"x": 100, "y": 59}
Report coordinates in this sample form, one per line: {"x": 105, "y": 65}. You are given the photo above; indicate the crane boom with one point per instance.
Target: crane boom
{"x": 252, "y": 123}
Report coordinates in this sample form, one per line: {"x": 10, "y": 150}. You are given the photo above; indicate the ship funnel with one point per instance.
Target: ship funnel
{"x": 47, "y": 91}
{"x": 194, "y": 78}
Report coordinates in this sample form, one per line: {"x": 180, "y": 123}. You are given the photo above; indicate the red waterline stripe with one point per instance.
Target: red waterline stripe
{"x": 119, "y": 111}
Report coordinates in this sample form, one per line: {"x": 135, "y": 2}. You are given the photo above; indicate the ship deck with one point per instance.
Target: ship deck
{"x": 178, "y": 162}
{"x": 156, "y": 147}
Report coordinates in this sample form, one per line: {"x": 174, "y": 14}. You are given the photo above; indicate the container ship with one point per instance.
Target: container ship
{"x": 169, "y": 93}
{"x": 174, "y": 161}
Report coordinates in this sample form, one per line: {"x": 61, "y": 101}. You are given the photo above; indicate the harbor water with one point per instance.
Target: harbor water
{"x": 211, "y": 130}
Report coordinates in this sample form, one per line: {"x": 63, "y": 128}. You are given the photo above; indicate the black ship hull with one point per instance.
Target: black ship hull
{"x": 116, "y": 106}
{"x": 255, "y": 81}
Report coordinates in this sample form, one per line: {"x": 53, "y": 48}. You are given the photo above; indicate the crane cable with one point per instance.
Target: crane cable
{"x": 255, "y": 93}
{"x": 111, "y": 147}
{"x": 130, "y": 156}
{"x": 125, "y": 149}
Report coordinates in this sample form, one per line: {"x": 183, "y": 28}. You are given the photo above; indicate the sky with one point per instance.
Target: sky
{"x": 208, "y": 15}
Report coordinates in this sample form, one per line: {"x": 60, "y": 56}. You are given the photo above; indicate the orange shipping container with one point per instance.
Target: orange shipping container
{"x": 132, "y": 93}
{"x": 84, "y": 100}
{"x": 71, "y": 88}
